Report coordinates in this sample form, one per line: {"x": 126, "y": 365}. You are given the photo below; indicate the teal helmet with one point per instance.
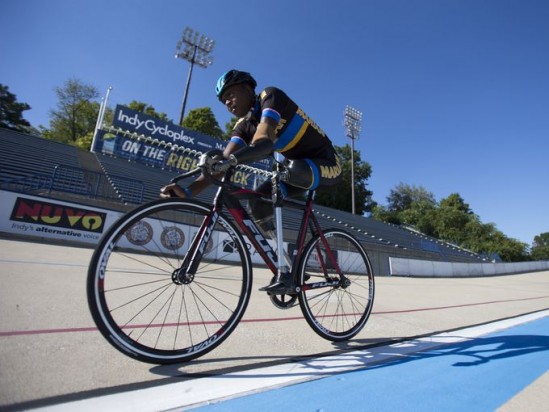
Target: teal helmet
{"x": 231, "y": 78}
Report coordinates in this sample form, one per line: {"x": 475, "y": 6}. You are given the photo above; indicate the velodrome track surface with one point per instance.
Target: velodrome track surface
{"x": 52, "y": 356}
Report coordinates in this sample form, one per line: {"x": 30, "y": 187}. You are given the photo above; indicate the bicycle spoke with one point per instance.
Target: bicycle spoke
{"x": 143, "y": 306}
{"x": 336, "y": 311}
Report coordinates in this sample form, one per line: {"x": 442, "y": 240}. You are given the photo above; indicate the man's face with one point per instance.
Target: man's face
{"x": 238, "y": 99}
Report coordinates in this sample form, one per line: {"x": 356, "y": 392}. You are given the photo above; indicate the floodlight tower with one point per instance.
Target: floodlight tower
{"x": 353, "y": 123}
{"x": 195, "y": 48}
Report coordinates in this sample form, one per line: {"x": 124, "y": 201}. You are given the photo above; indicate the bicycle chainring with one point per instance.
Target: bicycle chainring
{"x": 283, "y": 301}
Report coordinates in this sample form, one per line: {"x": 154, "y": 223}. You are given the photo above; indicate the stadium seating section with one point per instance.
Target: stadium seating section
{"x": 37, "y": 166}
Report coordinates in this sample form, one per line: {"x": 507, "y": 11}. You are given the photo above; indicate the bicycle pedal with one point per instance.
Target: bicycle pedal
{"x": 279, "y": 288}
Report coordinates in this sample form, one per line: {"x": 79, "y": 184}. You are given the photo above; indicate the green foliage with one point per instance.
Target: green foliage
{"x": 409, "y": 205}
{"x": 452, "y": 217}
{"x": 404, "y": 196}
{"x": 540, "y": 247}
{"x": 341, "y": 198}
{"x": 148, "y": 110}
{"x": 382, "y": 213}
{"x": 84, "y": 142}
{"x": 76, "y": 112}
{"x": 11, "y": 111}
{"x": 541, "y": 240}
{"x": 451, "y": 220}
{"x": 203, "y": 120}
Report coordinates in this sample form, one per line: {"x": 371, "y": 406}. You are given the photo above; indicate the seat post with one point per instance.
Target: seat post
{"x": 282, "y": 262}
{"x": 282, "y": 266}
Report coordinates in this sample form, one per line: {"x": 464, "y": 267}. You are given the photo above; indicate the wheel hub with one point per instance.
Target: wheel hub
{"x": 345, "y": 283}
{"x": 181, "y": 276}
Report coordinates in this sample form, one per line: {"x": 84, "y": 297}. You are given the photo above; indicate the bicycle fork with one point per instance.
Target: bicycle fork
{"x": 185, "y": 273}
{"x": 324, "y": 258}
{"x": 342, "y": 281}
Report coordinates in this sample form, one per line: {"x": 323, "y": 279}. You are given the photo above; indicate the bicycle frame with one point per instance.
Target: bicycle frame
{"x": 228, "y": 195}
{"x": 147, "y": 303}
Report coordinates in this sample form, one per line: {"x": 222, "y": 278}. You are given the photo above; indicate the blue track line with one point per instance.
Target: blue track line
{"x": 475, "y": 375}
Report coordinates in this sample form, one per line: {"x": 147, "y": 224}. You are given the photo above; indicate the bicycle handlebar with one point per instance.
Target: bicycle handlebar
{"x": 208, "y": 165}
{"x": 190, "y": 173}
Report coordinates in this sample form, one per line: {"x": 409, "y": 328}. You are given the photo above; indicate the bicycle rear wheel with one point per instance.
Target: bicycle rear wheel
{"x": 139, "y": 304}
{"x": 339, "y": 311}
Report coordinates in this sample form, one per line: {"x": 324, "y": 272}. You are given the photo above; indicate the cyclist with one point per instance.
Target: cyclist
{"x": 270, "y": 121}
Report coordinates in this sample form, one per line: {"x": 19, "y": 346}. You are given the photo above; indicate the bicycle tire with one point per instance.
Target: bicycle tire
{"x": 336, "y": 313}
{"x": 141, "y": 310}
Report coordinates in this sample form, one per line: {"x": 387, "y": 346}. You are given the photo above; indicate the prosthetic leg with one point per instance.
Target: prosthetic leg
{"x": 283, "y": 283}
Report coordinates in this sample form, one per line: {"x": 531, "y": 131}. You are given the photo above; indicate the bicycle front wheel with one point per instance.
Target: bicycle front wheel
{"x": 337, "y": 292}
{"x": 139, "y": 303}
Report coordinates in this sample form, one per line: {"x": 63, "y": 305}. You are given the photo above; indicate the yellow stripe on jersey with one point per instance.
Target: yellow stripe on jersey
{"x": 296, "y": 138}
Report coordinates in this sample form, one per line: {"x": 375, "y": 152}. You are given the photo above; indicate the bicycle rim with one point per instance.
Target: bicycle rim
{"x": 143, "y": 310}
{"x": 336, "y": 313}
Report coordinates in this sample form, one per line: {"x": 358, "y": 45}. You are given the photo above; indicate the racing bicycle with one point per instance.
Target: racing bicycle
{"x": 171, "y": 280}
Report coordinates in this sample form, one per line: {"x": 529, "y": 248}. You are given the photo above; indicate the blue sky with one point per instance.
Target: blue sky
{"x": 454, "y": 93}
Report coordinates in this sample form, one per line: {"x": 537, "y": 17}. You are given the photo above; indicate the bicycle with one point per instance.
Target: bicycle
{"x": 162, "y": 299}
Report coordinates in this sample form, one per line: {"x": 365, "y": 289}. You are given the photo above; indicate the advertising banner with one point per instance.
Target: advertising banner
{"x": 22, "y": 214}
{"x": 160, "y": 149}
{"x": 35, "y": 216}
{"x": 141, "y": 123}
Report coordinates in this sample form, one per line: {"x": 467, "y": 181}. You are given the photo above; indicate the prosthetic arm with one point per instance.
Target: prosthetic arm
{"x": 260, "y": 150}
{"x": 257, "y": 151}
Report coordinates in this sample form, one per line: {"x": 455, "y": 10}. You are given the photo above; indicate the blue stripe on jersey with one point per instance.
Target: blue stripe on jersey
{"x": 316, "y": 174}
{"x": 272, "y": 114}
{"x": 238, "y": 140}
{"x": 291, "y": 131}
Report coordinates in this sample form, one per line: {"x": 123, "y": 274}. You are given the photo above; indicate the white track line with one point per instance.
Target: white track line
{"x": 203, "y": 391}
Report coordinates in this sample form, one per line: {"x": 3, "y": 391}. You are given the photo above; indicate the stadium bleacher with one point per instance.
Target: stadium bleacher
{"x": 129, "y": 183}
{"x": 24, "y": 155}
{"x": 47, "y": 166}
{"x": 150, "y": 178}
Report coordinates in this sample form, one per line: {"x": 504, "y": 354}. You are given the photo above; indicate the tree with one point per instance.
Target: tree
{"x": 540, "y": 247}
{"x": 341, "y": 198}
{"x": 452, "y": 218}
{"x": 422, "y": 215}
{"x": 203, "y": 120}
{"x": 457, "y": 223}
{"x": 76, "y": 112}
{"x": 11, "y": 111}
{"x": 404, "y": 196}
{"x": 480, "y": 237}
{"x": 541, "y": 240}
{"x": 85, "y": 142}
{"x": 406, "y": 205}
{"x": 410, "y": 205}
{"x": 383, "y": 214}
{"x": 510, "y": 250}
{"x": 148, "y": 110}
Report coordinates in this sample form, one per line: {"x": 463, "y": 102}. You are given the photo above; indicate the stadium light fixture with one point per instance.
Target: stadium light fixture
{"x": 195, "y": 48}
{"x": 353, "y": 124}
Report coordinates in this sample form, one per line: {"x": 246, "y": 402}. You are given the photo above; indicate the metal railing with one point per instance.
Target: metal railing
{"x": 73, "y": 180}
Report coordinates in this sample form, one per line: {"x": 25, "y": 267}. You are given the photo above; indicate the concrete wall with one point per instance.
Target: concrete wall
{"x": 425, "y": 268}
{"x": 381, "y": 256}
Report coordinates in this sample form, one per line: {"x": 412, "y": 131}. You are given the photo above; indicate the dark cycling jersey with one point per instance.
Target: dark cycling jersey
{"x": 298, "y": 137}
